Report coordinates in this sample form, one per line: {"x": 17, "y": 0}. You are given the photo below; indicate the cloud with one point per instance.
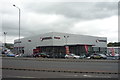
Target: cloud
{"x": 107, "y": 27}
{"x": 80, "y": 10}
{"x": 43, "y": 23}
{"x": 71, "y": 17}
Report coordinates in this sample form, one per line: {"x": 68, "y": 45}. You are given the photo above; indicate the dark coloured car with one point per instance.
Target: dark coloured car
{"x": 44, "y": 55}
{"x": 36, "y": 55}
{"x": 60, "y": 55}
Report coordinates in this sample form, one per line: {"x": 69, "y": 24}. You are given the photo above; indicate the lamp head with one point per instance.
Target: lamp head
{"x": 13, "y": 5}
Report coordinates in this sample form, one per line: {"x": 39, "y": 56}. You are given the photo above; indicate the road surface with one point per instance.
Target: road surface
{"x": 32, "y": 68}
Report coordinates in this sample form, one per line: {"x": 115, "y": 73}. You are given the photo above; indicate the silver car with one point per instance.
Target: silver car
{"x": 73, "y": 56}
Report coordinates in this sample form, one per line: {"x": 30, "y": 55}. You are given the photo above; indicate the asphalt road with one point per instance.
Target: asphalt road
{"x": 51, "y": 69}
{"x": 38, "y": 74}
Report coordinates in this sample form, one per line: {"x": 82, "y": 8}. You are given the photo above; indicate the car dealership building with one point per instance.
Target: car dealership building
{"x": 56, "y": 44}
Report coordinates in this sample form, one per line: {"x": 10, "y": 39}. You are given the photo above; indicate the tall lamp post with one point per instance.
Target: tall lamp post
{"x": 19, "y": 28}
{"x": 67, "y": 47}
{"x": 66, "y": 39}
{"x": 5, "y": 33}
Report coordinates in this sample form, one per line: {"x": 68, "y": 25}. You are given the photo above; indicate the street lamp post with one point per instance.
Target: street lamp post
{"x": 66, "y": 39}
{"x": 66, "y": 46}
{"x": 19, "y": 28}
{"x": 5, "y": 33}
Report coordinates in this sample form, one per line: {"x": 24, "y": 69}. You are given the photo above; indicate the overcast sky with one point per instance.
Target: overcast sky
{"x": 96, "y": 18}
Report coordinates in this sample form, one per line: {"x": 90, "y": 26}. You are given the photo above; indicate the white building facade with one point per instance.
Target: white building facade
{"x": 55, "y": 43}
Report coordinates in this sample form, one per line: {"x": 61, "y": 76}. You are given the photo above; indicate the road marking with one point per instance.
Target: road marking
{"x": 9, "y": 76}
{"x": 87, "y": 75}
{"x": 97, "y": 76}
{"x": 75, "y": 75}
{"x": 71, "y": 75}
{"x": 24, "y": 77}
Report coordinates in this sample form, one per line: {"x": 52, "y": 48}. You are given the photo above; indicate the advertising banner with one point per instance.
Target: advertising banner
{"x": 67, "y": 49}
{"x": 113, "y": 52}
{"x": 86, "y": 48}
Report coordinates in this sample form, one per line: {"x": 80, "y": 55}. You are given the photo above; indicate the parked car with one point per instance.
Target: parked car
{"x": 10, "y": 54}
{"x": 115, "y": 57}
{"x": 82, "y": 56}
{"x": 0, "y": 55}
{"x": 73, "y": 56}
{"x": 97, "y": 56}
{"x": 44, "y": 55}
{"x": 36, "y": 55}
{"x": 50, "y": 56}
{"x": 60, "y": 56}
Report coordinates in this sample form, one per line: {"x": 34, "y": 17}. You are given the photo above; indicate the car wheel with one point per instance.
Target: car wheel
{"x": 74, "y": 57}
{"x": 66, "y": 58}
{"x": 91, "y": 57}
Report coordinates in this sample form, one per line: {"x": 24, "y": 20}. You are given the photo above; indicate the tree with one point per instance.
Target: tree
{"x": 115, "y": 44}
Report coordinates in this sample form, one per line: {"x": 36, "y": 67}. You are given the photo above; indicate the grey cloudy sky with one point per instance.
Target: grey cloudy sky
{"x": 96, "y": 18}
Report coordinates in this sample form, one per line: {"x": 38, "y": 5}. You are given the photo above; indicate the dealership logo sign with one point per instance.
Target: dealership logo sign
{"x": 17, "y": 42}
{"x": 97, "y": 40}
{"x": 56, "y": 37}
{"x": 47, "y": 38}
{"x": 101, "y": 40}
